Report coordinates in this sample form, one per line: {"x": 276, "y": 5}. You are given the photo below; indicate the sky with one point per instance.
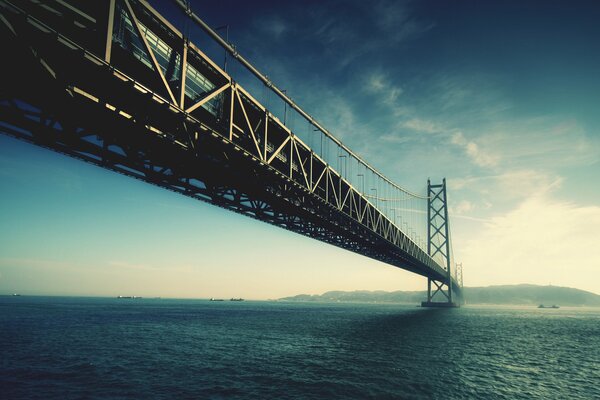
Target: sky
{"x": 499, "y": 97}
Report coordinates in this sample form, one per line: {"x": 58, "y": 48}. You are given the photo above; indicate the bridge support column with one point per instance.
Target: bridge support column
{"x": 438, "y": 244}
{"x": 441, "y": 290}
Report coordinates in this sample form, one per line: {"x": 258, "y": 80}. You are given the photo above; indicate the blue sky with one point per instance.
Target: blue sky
{"x": 501, "y": 98}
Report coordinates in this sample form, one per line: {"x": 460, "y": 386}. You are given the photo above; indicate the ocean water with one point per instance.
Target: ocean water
{"x": 100, "y": 348}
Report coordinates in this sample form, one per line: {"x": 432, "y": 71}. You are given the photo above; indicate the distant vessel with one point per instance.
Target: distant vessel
{"x": 239, "y": 299}
{"x": 213, "y": 299}
{"x": 16, "y": 294}
{"x": 129, "y": 297}
{"x": 552, "y": 306}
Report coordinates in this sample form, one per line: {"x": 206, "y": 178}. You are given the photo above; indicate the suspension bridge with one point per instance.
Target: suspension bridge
{"x": 116, "y": 84}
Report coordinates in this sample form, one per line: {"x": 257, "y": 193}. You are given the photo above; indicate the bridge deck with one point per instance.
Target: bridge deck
{"x": 107, "y": 103}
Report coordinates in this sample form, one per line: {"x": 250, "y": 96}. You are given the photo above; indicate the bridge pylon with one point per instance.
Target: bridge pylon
{"x": 438, "y": 246}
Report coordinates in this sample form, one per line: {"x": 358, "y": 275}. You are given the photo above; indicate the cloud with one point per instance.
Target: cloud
{"x": 396, "y": 139}
{"x": 341, "y": 33}
{"x": 549, "y": 142}
{"x": 481, "y": 119}
{"x": 527, "y": 183}
{"x": 420, "y": 125}
{"x": 506, "y": 188}
{"x": 479, "y": 156}
{"x": 380, "y": 85}
{"x": 375, "y": 83}
{"x": 462, "y": 207}
{"x": 396, "y": 19}
{"x": 463, "y": 96}
{"x": 541, "y": 241}
{"x": 334, "y": 31}
{"x": 273, "y": 25}
{"x": 339, "y": 116}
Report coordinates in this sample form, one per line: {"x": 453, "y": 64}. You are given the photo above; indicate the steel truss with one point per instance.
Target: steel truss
{"x": 72, "y": 87}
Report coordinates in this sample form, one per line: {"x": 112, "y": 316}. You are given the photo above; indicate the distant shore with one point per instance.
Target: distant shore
{"x": 512, "y": 295}
{"x": 525, "y": 295}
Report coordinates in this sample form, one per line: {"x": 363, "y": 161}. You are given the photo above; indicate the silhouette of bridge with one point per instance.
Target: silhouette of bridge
{"x": 114, "y": 83}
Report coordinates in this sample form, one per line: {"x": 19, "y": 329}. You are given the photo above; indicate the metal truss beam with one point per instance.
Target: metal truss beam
{"x": 224, "y": 148}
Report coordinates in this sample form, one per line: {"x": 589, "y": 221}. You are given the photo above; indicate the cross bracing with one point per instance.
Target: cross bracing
{"x": 115, "y": 84}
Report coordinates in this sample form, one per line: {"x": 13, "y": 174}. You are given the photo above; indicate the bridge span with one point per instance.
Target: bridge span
{"x": 114, "y": 83}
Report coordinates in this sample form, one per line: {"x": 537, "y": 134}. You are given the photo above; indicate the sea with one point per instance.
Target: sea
{"x": 109, "y": 348}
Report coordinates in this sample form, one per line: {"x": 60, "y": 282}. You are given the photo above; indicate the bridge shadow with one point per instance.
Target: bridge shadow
{"x": 407, "y": 324}
{"x": 411, "y": 348}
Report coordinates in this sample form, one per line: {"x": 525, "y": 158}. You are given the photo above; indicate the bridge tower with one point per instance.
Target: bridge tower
{"x": 438, "y": 244}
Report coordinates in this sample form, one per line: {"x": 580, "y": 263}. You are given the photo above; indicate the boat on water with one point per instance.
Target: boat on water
{"x": 238, "y": 299}
{"x": 552, "y": 306}
{"x": 213, "y": 299}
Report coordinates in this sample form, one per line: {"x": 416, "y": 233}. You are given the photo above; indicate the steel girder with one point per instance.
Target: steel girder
{"x": 76, "y": 90}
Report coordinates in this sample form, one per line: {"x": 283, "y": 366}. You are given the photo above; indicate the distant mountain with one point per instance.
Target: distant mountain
{"x": 531, "y": 294}
{"x": 506, "y": 294}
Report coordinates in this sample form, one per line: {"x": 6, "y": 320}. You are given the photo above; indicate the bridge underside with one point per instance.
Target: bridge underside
{"x": 41, "y": 102}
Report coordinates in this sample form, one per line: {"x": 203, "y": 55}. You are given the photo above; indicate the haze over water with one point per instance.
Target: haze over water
{"x": 56, "y": 348}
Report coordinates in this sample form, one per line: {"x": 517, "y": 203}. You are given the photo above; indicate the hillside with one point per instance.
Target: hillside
{"x": 506, "y": 294}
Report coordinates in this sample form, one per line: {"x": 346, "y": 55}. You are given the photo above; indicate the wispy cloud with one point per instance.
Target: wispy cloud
{"x": 395, "y": 139}
{"x": 462, "y": 207}
{"x": 474, "y": 115}
{"x": 421, "y": 125}
{"x": 340, "y": 115}
{"x": 380, "y": 85}
{"x": 526, "y": 183}
{"x": 342, "y": 33}
{"x": 396, "y": 18}
{"x": 274, "y": 26}
{"x": 478, "y": 155}
{"x": 506, "y": 188}
{"x": 547, "y": 142}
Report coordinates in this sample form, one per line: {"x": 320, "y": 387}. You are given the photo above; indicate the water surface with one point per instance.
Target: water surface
{"x": 55, "y": 348}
